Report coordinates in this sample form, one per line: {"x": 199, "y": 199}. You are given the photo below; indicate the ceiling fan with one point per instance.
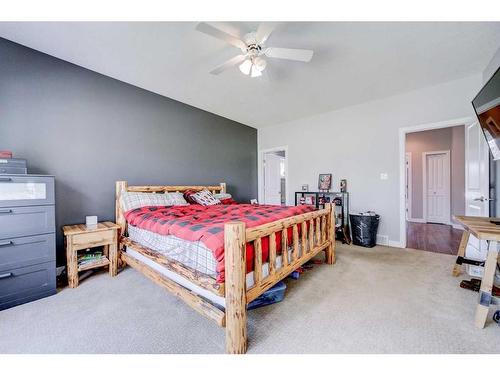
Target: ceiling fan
{"x": 252, "y": 60}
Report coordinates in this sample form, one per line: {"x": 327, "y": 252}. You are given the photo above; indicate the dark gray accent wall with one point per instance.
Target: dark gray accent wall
{"x": 90, "y": 130}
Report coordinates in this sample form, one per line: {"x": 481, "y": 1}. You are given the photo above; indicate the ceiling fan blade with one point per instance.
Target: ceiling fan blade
{"x": 304, "y": 55}
{"x": 222, "y": 35}
{"x": 264, "y": 30}
{"x": 229, "y": 64}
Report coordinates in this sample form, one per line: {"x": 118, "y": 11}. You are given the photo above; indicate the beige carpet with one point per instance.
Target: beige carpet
{"x": 380, "y": 300}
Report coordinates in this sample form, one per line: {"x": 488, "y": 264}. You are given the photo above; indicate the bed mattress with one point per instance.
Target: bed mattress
{"x": 193, "y": 254}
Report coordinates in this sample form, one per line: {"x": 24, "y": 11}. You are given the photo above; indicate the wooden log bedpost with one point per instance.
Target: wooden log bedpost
{"x": 235, "y": 283}
{"x": 330, "y": 250}
{"x": 121, "y": 187}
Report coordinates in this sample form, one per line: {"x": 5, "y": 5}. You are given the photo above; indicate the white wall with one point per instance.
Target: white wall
{"x": 360, "y": 142}
{"x": 492, "y": 67}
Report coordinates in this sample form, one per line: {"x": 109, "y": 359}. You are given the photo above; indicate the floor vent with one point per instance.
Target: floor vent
{"x": 382, "y": 240}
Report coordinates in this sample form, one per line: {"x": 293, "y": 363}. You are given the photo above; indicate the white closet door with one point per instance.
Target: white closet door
{"x": 438, "y": 187}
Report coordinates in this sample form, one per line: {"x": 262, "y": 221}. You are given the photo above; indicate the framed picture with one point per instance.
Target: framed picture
{"x": 343, "y": 186}
{"x": 310, "y": 199}
{"x": 325, "y": 181}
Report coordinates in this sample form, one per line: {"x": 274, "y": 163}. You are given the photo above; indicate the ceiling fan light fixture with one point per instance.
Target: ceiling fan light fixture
{"x": 245, "y": 67}
{"x": 255, "y": 72}
{"x": 259, "y": 63}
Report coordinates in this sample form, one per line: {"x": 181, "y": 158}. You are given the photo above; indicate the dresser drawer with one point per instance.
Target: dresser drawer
{"x": 26, "y": 221}
{"x": 22, "y": 284}
{"x": 26, "y": 251}
{"x": 26, "y": 190}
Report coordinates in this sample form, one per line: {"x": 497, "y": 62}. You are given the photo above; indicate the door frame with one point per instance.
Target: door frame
{"x": 409, "y": 191}
{"x": 424, "y": 183}
{"x": 260, "y": 177}
{"x": 465, "y": 121}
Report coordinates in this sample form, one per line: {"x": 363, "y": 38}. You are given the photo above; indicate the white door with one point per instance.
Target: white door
{"x": 272, "y": 179}
{"x": 437, "y": 186}
{"x": 476, "y": 172}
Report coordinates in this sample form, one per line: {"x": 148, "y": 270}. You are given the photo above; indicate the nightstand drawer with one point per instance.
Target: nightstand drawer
{"x": 26, "y": 221}
{"x": 26, "y": 251}
{"x": 21, "y": 284}
{"x": 85, "y": 240}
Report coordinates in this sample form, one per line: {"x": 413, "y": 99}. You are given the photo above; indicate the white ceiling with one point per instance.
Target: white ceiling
{"x": 353, "y": 62}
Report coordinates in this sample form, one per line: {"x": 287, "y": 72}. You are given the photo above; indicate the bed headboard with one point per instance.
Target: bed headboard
{"x": 122, "y": 186}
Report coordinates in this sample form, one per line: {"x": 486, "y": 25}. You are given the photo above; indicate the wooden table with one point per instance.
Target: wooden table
{"x": 483, "y": 229}
{"x": 79, "y": 237}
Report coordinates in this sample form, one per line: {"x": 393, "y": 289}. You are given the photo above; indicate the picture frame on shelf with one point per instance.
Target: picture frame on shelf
{"x": 310, "y": 200}
{"x": 343, "y": 186}
{"x": 325, "y": 182}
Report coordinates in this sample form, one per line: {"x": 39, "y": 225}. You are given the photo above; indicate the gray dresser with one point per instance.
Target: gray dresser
{"x": 27, "y": 239}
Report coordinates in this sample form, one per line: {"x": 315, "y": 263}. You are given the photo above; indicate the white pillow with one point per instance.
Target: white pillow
{"x": 221, "y": 196}
{"x": 205, "y": 198}
{"x": 132, "y": 200}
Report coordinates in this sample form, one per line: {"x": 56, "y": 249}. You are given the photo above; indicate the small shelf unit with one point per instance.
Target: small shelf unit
{"x": 341, "y": 200}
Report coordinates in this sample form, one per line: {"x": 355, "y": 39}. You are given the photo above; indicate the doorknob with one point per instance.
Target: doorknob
{"x": 483, "y": 199}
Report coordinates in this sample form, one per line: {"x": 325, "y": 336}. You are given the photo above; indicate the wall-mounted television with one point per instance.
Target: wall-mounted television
{"x": 487, "y": 107}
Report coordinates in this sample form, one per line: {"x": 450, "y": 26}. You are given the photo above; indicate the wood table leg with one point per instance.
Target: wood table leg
{"x": 485, "y": 292}
{"x": 457, "y": 268}
{"x": 71, "y": 264}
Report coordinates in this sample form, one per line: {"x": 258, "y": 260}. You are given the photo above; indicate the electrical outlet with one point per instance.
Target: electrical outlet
{"x": 384, "y": 176}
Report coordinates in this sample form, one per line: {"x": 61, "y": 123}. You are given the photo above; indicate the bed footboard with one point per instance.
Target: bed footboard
{"x": 317, "y": 233}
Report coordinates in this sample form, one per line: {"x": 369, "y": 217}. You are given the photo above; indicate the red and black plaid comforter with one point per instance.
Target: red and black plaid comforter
{"x": 206, "y": 224}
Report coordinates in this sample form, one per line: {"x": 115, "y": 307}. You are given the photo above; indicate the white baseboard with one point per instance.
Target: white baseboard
{"x": 395, "y": 244}
{"x": 415, "y": 220}
{"x": 384, "y": 240}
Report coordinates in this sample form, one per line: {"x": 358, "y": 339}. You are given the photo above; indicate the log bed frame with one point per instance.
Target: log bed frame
{"x": 321, "y": 237}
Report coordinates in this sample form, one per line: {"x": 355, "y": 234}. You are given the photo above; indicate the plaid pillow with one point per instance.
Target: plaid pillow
{"x": 188, "y": 196}
{"x": 205, "y": 198}
{"x": 132, "y": 200}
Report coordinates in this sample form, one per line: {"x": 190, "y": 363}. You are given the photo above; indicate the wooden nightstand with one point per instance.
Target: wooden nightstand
{"x": 79, "y": 237}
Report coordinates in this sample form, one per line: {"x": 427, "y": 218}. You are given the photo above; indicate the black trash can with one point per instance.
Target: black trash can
{"x": 364, "y": 229}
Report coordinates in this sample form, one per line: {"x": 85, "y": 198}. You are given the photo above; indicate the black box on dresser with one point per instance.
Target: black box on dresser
{"x": 27, "y": 238}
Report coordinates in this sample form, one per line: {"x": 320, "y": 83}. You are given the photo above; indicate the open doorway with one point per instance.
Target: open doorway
{"x": 274, "y": 176}
{"x": 435, "y": 188}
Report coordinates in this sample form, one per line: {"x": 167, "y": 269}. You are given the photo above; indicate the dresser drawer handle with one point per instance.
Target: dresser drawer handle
{"x": 6, "y": 243}
{"x": 5, "y": 211}
{"x": 6, "y": 275}
{"x": 5, "y": 179}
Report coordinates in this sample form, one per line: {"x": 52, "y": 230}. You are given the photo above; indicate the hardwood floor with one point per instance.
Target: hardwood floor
{"x": 437, "y": 238}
